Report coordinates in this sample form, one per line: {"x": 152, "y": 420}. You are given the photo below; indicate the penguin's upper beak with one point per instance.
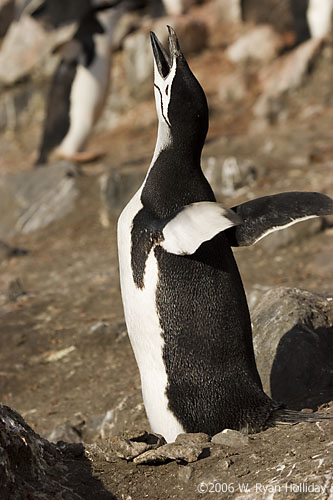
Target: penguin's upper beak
{"x": 163, "y": 60}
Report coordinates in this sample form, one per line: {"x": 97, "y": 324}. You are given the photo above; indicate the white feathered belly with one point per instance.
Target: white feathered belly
{"x": 87, "y": 98}
{"x": 144, "y": 328}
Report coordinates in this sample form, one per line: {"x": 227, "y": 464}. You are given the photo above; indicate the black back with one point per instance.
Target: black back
{"x": 56, "y": 124}
{"x": 301, "y": 27}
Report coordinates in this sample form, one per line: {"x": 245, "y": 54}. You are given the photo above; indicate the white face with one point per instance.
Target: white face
{"x": 162, "y": 90}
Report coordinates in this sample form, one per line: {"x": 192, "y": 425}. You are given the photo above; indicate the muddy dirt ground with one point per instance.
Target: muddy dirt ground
{"x": 65, "y": 356}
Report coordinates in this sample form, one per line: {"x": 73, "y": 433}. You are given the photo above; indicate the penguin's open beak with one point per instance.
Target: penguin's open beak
{"x": 163, "y": 60}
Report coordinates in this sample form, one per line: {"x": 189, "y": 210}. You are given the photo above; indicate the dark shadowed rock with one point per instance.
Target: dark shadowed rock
{"x": 293, "y": 340}
{"x": 130, "y": 445}
{"x": 127, "y": 449}
{"x": 119, "y": 186}
{"x": 274, "y": 12}
{"x": 31, "y": 467}
{"x": 7, "y": 251}
{"x": 15, "y": 290}
{"x": 7, "y": 12}
{"x": 34, "y": 199}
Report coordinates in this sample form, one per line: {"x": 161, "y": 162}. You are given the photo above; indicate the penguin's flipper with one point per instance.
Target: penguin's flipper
{"x": 264, "y": 215}
{"x": 193, "y": 224}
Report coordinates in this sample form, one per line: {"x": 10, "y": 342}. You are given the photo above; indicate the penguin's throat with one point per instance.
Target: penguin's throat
{"x": 173, "y": 181}
{"x": 183, "y": 148}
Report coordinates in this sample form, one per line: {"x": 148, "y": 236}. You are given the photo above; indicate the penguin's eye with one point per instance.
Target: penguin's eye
{"x": 167, "y": 90}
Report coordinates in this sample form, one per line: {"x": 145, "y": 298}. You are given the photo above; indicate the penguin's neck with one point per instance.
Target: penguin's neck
{"x": 174, "y": 178}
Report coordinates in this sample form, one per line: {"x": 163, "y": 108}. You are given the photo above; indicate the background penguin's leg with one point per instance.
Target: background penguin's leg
{"x": 264, "y": 215}
{"x": 186, "y": 230}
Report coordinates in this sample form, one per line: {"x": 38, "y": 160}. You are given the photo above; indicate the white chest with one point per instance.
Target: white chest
{"x": 87, "y": 98}
{"x": 144, "y": 328}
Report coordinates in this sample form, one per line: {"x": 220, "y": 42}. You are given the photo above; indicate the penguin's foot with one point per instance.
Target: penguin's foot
{"x": 81, "y": 157}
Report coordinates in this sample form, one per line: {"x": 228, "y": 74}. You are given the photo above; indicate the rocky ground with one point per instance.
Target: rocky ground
{"x": 66, "y": 364}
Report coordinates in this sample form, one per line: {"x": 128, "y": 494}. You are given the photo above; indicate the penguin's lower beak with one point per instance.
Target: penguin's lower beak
{"x": 163, "y": 60}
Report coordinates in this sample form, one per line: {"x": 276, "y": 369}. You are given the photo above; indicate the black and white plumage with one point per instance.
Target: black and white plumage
{"x": 80, "y": 83}
{"x": 312, "y": 18}
{"x": 184, "y": 302}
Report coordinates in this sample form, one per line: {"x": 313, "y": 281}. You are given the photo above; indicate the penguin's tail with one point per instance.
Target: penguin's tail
{"x": 285, "y": 416}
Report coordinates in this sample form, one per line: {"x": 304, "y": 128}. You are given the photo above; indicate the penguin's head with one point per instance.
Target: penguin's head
{"x": 180, "y": 100}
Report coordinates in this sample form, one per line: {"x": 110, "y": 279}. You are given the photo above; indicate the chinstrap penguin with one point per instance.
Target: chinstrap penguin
{"x": 185, "y": 307}
{"x": 80, "y": 84}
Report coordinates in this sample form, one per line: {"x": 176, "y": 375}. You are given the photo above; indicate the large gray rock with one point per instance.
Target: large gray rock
{"x": 260, "y": 44}
{"x": 32, "y": 200}
{"x": 118, "y": 187}
{"x": 283, "y": 75}
{"x": 293, "y": 341}
{"x": 27, "y": 46}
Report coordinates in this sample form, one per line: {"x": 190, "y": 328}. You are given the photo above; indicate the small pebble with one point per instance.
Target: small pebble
{"x": 231, "y": 438}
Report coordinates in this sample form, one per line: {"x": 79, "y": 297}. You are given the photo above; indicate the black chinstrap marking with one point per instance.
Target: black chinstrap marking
{"x": 162, "y": 107}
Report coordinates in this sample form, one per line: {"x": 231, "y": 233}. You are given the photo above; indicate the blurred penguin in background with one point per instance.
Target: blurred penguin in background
{"x": 312, "y": 18}
{"x": 54, "y": 13}
{"x": 80, "y": 84}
